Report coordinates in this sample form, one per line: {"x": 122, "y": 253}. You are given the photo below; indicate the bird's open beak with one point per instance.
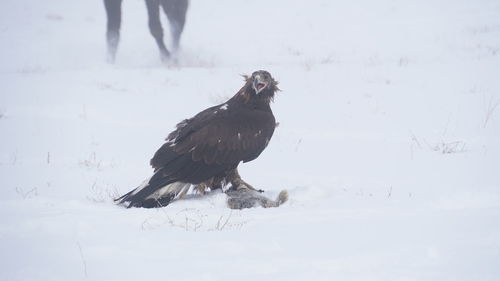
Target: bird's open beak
{"x": 259, "y": 84}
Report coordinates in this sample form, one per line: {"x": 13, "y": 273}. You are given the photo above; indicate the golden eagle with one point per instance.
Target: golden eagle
{"x": 204, "y": 151}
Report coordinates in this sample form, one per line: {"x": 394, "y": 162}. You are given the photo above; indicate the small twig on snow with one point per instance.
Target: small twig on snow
{"x": 84, "y": 262}
{"x": 489, "y": 110}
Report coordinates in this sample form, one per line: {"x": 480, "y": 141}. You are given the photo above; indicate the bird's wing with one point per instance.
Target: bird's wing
{"x": 218, "y": 137}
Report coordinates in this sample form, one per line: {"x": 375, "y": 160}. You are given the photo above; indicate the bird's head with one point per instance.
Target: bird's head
{"x": 262, "y": 83}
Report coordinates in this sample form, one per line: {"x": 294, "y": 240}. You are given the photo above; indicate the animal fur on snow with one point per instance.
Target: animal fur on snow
{"x": 241, "y": 198}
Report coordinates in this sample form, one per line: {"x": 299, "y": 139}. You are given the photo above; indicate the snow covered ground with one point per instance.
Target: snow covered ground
{"x": 389, "y": 141}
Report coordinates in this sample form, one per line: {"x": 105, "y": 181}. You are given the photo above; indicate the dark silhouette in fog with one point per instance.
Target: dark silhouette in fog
{"x": 176, "y": 14}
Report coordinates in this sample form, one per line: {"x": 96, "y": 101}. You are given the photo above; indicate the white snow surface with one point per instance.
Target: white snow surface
{"x": 389, "y": 141}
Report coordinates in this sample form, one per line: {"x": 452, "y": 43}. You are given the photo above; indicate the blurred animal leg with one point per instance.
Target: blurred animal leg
{"x": 176, "y": 13}
{"x": 155, "y": 28}
{"x": 114, "y": 15}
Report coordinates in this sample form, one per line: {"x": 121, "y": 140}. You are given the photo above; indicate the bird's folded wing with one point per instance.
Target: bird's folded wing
{"x": 216, "y": 138}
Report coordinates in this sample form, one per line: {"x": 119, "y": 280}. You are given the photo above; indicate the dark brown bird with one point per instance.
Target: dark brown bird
{"x": 204, "y": 151}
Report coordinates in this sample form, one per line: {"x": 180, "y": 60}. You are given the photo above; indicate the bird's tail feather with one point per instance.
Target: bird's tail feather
{"x": 127, "y": 195}
{"x": 154, "y": 194}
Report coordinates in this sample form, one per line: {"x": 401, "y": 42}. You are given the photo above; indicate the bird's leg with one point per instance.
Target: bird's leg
{"x": 244, "y": 184}
{"x": 239, "y": 183}
{"x": 201, "y": 188}
{"x": 215, "y": 186}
